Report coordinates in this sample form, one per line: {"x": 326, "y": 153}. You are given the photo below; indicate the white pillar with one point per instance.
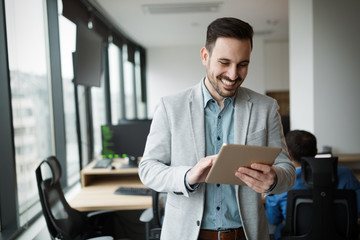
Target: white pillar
{"x": 325, "y": 71}
{"x": 301, "y": 57}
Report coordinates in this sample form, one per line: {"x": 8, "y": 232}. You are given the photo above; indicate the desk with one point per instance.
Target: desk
{"x": 350, "y": 160}
{"x": 98, "y": 186}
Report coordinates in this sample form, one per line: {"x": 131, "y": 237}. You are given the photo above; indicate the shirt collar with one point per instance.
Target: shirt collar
{"x": 207, "y": 96}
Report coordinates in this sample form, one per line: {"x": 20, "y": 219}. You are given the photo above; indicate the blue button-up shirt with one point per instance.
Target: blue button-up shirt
{"x": 221, "y": 208}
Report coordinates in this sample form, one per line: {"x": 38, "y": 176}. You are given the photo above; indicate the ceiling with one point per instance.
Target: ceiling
{"x": 154, "y": 23}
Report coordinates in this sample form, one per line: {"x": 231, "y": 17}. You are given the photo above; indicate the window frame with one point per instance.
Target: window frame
{"x": 9, "y": 209}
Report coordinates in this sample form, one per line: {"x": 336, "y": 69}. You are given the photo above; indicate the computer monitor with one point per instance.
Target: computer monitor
{"x": 126, "y": 138}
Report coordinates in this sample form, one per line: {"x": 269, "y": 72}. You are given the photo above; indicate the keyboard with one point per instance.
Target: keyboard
{"x": 103, "y": 163}
{"x": 133, "y": 191}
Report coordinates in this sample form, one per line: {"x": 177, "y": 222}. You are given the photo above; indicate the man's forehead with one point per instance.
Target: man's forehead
{"x": 230, "y": 48}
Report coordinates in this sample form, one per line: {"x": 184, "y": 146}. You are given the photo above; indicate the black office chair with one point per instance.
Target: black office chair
{"x": 64, "y": 222}
{"x": 322, "y": 211}
{"x": 153, "y": 217}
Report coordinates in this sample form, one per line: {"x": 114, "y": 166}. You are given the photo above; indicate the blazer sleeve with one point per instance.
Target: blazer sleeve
{"x": 155, "y": 169}
{"x": 285, "y": 170}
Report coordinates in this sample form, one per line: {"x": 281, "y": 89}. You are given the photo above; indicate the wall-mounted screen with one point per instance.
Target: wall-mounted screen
{"x": 88, "y": 58}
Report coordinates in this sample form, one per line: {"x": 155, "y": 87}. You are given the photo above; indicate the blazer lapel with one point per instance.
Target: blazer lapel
{"x": 197, "y": 120}
{"x": 241, "y": 116}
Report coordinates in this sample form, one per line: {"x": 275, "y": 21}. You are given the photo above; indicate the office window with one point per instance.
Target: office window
{"x": 83, "y": 119}
{"x": 28, "y": 64}
{"x": 115, "y": 83}
{"x": 98, "y": 115}
{"x": 129, "y": 85}
{"x": 67, "y": 32}
{"x": 140, "y": 105}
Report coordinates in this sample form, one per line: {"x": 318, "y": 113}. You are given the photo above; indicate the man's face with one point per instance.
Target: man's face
{"x": 226, "y": 67}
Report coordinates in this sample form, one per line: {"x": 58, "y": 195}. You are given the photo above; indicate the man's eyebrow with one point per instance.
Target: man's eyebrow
{"x": 224, "y": 59}
{"x": 228, "y": 60}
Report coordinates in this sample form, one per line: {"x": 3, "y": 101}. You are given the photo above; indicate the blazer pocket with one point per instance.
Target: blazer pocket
{"x": 257, "y": 138}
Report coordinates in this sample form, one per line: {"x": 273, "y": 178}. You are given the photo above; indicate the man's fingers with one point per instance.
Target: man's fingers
{"x": 259, "y": 177}
{"x": 199, "y": 172}
{"x": 261, "y": 167}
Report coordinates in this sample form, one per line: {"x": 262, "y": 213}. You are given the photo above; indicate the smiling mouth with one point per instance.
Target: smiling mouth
{"x": 228, "y": 83}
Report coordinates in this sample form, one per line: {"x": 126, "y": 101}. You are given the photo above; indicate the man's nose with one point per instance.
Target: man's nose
{"x": 233, "y": 73}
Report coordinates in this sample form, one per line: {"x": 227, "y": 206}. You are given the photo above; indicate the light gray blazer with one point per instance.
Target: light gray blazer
{"x": 176, "y": 142}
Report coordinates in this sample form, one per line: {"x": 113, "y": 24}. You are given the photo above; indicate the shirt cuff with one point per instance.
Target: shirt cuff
{"x": 190, "y": 188}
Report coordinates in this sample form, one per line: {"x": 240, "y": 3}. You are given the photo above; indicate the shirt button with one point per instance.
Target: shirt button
{"x": 218, "y": 138}
{"x": 218, "y": 185}
{"x": 219, "y": 117}
{"x": 218, "y": 208}
{"x": 198, "y": 222}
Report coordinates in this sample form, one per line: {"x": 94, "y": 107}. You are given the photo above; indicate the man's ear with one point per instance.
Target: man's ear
{"x": 204, "y": 56}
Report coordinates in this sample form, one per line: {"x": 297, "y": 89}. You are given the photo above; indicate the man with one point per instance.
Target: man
{"x": 303, "y": 144}
{"x": 187, "y": 132}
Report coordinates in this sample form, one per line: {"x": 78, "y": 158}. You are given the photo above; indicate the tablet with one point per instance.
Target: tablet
{"x": 233, "y": 156}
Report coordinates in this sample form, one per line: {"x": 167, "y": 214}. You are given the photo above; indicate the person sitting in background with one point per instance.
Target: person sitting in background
{"x": 303, "y": 144}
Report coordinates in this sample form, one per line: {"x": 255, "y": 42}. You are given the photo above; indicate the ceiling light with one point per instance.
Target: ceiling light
{"x": 191, "y": 7}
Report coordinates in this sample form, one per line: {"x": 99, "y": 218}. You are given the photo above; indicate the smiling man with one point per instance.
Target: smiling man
{"x": 187, "y": 132}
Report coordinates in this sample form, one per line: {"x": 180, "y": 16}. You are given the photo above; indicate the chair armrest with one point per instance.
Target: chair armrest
{"x": 147, "y": 215}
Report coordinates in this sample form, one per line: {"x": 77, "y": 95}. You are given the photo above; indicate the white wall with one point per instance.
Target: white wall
{"x": 301, "y": 65}
{"x": 324, "y": 66}
{"x": 337, "y": 71}
{"x": 172, "y": 69}
{"x": 255, "y": 78}
{"x": 276, "y": 58}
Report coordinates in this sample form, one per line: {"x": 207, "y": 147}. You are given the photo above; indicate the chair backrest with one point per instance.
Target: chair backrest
{"x": 63, "y": 222}
{"x": 159, "y": 201}
{"x": 153, "y": 227}
{"x": 322, "y": 211}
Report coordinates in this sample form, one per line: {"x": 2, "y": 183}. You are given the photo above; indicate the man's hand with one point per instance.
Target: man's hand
{"x": 199, "y": 172}
{"x": 258, "y": 176}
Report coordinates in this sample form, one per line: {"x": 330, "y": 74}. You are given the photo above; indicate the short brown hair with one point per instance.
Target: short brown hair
{"x": 228, "y": 27}
{"x": 301, "y": 144}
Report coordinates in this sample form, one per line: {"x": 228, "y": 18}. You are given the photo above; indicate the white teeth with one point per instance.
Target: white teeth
{"x": 229, "y": 83}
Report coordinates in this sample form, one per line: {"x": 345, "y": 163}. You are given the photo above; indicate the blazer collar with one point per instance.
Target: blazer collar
{"x": 197, "y": 119}
{"x": 242, "y": 110}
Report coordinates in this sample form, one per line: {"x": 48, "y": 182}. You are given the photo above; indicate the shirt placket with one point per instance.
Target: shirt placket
{"x": 219, "y": 192}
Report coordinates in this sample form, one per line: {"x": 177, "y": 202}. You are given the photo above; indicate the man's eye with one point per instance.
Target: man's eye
{"x": 243, "y": 65}
{"x": 224, "y": 63}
